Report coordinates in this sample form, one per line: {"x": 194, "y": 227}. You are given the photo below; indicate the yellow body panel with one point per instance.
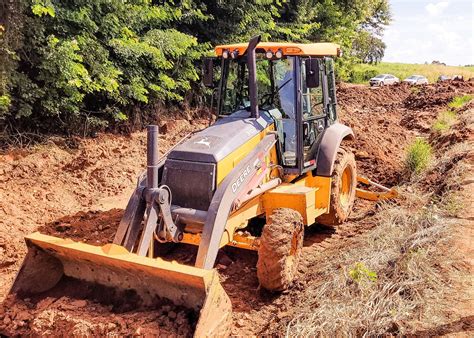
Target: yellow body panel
{"x": 225, "y": 166}
{"x": 323, "y": 192}
{"x": 299, "y": 198}
{"x": 311, "y": 49}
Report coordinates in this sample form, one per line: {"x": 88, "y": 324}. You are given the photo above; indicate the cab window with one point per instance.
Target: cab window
{"x": 314, "y": 120}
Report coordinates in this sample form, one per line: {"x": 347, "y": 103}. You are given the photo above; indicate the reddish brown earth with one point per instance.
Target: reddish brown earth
{"x": 80, "y": 193}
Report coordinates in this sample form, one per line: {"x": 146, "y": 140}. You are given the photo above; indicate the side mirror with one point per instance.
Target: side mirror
{"x": 208, "y": 72}
{"x": 312, "y": 73}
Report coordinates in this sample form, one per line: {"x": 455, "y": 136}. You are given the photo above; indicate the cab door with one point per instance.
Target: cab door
{"x": 314, "y": 114}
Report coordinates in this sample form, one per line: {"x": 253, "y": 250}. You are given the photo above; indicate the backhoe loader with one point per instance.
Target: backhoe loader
{"x": 276, "y": 158}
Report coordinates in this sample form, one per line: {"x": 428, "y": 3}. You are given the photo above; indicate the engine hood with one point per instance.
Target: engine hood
{"x": 220, "y": 139}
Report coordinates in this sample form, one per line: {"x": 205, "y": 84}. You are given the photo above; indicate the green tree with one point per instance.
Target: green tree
{"x": 368, "y": 48}
{"x": 84, "y": 63}
{"x": 77, "y": 65}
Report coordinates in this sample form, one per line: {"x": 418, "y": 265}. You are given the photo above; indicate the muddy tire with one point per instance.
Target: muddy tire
{"x": 280, "y": 249}
{"x": 343, "y": 189}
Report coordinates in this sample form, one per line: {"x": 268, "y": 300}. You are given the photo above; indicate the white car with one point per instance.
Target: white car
{"x": 416, "y": 80}
{"x": 384, "y": 79}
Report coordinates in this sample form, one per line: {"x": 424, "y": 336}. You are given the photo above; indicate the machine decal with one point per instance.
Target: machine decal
{"x": 204, "y": 141}
{"x": 241, "y": 178}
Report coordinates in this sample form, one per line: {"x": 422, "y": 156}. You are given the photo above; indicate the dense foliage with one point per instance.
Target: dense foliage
{"x": 77, "y": 65}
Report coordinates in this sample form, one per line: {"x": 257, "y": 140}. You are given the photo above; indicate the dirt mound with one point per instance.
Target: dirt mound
{"x": 386, "y": 119}
{"x": 42, "y": 184}
{"x": 363, "y": 97}
{"x": 374, "y": 114}
{"x": 436, "y": 95}
{"x": 424, "y": 103}
{"x": 83, "y": 309}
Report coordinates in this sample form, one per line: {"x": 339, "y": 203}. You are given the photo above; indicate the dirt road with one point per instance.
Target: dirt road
{"x": 80, "y": 193}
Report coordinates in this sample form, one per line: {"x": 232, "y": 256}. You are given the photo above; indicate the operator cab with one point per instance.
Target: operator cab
{"x": 295, "y": 86}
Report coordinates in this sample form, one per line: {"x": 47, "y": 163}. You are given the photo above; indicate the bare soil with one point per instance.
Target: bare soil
{"x": 80, "y": 193}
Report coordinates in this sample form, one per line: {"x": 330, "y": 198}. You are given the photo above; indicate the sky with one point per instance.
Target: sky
{"x": 427, "y": 30}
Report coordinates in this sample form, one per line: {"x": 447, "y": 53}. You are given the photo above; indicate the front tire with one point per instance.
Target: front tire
{"x": 280, "y": 249}
{"x": 343, "y": 189}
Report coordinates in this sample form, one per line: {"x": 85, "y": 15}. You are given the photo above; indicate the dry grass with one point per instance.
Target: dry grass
{"x": 401, "y": 277}
{"x": 402, "y": 252}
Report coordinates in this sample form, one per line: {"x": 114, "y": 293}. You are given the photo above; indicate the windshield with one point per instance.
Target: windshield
{"x": 275, "y": 83}
{"x": 414, "y": 77}
{"x": 380, "y": 76}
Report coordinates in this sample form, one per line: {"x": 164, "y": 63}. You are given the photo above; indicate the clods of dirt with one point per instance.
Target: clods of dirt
{"x": 83, "y": 309}
{"x": 93, "y": 227}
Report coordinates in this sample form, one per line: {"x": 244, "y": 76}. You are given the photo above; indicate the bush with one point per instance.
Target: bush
{"x": 459, "y": 101}
{"x": 444, "y": 121}
{"x": 5, "y": 102}
{"x": 83, "y": 64}
{"x": 418, "y": 156}
{"x": 362, "y": 74}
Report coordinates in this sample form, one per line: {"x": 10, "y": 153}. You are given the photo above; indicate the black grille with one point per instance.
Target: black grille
{"x": 192, "y": 183}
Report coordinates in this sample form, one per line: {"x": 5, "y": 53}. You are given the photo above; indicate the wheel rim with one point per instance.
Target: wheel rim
{"x": 345, "y": 192}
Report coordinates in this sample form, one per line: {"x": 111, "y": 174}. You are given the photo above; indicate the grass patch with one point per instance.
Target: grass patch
{"x": 363, "y": 72}
{"x": 418, "y": 156}
{"x": 444, "y": 121}
{"x": 459, "y": 101}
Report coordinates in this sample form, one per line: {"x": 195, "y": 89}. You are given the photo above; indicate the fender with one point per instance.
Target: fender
{"x": 332, "y": 138}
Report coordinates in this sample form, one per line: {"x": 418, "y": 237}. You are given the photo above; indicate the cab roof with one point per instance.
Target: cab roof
{"x": 288, "y": 48}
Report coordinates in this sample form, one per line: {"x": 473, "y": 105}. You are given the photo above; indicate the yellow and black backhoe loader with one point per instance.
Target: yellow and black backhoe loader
{"x": 275, "y": 154}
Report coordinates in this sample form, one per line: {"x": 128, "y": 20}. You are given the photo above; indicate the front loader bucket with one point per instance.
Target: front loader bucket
{"x": 50, "y": 258}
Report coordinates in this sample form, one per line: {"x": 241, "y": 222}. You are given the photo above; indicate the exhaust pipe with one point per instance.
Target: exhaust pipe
{"x": 152, "y": 157}
{"x": 252, "y": 65}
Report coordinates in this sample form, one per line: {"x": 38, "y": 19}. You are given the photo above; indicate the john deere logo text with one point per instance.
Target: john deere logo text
{"x": 241, "y": 179}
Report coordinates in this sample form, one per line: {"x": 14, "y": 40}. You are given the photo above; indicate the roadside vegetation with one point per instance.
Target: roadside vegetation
{"x": 459, "y": 101}
{"x": 444, "y": 121}
{"x": 395, "y": 279}
{"x": 419, "y": 155}
{"x": 361, "y": 73}
{"x": 447, "y": 118}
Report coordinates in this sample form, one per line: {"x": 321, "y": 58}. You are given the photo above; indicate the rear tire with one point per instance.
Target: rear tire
{"x": 343, "y": 189}
{"x": 280, "y": 249}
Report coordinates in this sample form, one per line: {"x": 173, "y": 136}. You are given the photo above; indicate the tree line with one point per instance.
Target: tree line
{"x": 76, "y": 66}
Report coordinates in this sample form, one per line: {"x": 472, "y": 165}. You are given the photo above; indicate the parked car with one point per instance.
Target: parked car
{"x": 416, "y": 80}
{"x": 443, "y": 78}
{"x": 384, "y": 79}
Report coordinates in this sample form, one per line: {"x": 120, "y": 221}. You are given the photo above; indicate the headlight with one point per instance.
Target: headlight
{"x": 279, "y": 54}
{"x": 234, "y": 54}
{"x": 225, "y": 54}
{"x": 269, "y": 54}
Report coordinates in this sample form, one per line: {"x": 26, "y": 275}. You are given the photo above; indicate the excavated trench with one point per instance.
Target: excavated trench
{"x": 385, "y": 120}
